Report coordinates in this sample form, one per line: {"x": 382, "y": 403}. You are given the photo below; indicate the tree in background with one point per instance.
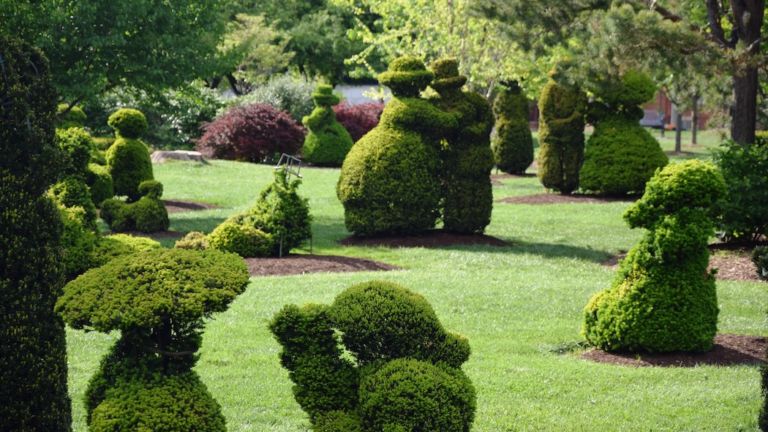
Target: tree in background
{"x": 33, "y": 363}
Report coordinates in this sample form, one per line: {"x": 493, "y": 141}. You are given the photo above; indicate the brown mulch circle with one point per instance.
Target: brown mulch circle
{"x": 555, "y": 198}
{"x": 729, "y": 349}
{"x": 184, "y": 206}
{"x": 430, "y": 239}
{"x": 302, "y": 264}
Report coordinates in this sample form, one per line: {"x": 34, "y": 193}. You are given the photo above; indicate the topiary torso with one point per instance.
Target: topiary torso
{"x": 663, "y": 298}
{"x": 327, "y": 142}
{"x": 389, "y": 180}
{"x": 561, "y": 137}
{"x": 513, "y": 142}
{"x": 621, "y": 156}
{"x": 128, "y": 157}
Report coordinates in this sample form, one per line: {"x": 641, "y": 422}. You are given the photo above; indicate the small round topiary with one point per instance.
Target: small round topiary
{"x": 413, "y": 395}
{"x": 242, "y": 239}
{"x": 128, "y": 123}
{"x": 67, "y": 117}
{"x": 513, "y": 143}
{"x": 327, "y": 142}
{"x": 194, "y": 240}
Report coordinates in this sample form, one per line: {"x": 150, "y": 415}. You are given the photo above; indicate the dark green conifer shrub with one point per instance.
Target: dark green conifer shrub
{"x": 78, "y": 242}
{"x": 128, "y": 157}
{"x": 466, "y": 156}
{"x": 158, "y": 300}
{"x": 148, "y": 214}
{"x": 77, "y": 146}
{"x": 237, "y": 237}
{"x": 561, "y": 136}
{"x": 513, "y": 143}
{"x": 760, "y": 258}
{"x": 74, "y": 118}
{"x": 621, "y": 156}
{"x": 663, "y": 298}
{"x": 404, "y": 373}
{"x": 389, "y": 181}
{"x": 73, "y": 192}
{"x": 327, "y": 142}
{"x": 33, "y": 364}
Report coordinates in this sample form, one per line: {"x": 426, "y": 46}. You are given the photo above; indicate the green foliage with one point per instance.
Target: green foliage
{"x": 743, "y": 212}
{"x": 513, "y": 143}
{"x": 129, "y": 165}
{"x": 128, "y": 123}
{"x": 389, "y": 181}
{"x": 100, "y": 183}
{"x": 285, "y": 93}
{"x": 77, "y": 146}
{"x": 78, "y": 242}
{"x": 327, "y": 142}
{"x": 413, "y": 395}
{"x": 561, "y": 136}
{"x": 67, "y": 117}
{"x": 73, "y": 192}
{"x": 244, "y": 240}
{"x": 148, "y": 214}
{"x": 33, "y": 364}
{"x": 338, "y": 421}
{"x": 119, "y": 245}
{"x": 663, "y": 298}
{"x": 760, "y": 258}
{"x": 633, "y": 89}
{"x": 194, "y": 240}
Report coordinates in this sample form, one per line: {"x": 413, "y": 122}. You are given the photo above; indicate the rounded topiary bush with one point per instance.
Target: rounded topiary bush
{"x": 128, "y": 157}
{"x": 67, "y": 117}
{"x": 663, "y": 298}
{"x": 513, "y": 143}
{"x": 242, "y": 239}
{"x": 358, "y": 119}
{"x": 148, "y": 214}
{"x": 77, "y": 145}
{"x": 78, "y": 242}
{"x": 327, "y": 142}
{"x": 114, "y": 246}
{"x": 73, "y": 192}
{"x": 413, "y": 395}
{"x": 193, "y": 240}
{"x": 128, "y": 123}
{"x": 251, "y": 133}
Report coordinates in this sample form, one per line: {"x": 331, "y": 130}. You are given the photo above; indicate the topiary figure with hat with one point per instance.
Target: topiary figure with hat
{"x": 327, "y": 142}
{"x": 389, "y": 181}
{"x": 467, "y": 159}
{"x": 513, "y": 144}
{"x": 128, "y": 157}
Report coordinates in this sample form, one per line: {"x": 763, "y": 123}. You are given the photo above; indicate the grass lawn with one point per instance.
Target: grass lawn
{"x": 520, "y": 306}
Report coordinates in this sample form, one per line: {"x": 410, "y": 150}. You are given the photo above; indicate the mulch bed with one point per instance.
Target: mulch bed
{"x": 302, "y": 264}
{"x": 430, "y": 239}
{"x": 555, "y": 198}
{"x": 184, "y": 206}
{"x": 729, "y": 349}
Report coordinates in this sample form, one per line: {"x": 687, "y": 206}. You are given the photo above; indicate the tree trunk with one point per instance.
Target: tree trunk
{"x": 695, "y": 121}
{"x": 678, "y": 130}
{"x": 748, "y": 17}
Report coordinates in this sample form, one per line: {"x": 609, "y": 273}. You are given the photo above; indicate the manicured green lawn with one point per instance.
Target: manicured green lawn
{"x": 519, "y": 305}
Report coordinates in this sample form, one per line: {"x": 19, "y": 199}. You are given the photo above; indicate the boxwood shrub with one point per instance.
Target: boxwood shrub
{"x": 148, "y": 214}
{"x": 327, "y": 142}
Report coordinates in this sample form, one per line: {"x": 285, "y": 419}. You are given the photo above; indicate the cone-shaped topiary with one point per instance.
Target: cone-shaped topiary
{"x": 128, "y": 157}
{"x": 561, "y": 136}
{"x": 327, "y": 142}
{"x": 467, "y": 159}
{"x": 513, "y": 143}
{"x": 158, "y": 300}
{"x": 663, "y": 298}
{"x": 33, "y": 363}
{"x": 621, "y": 156}
{"x": 389, "y": 181}
{"x": 148, "y": 214}
{"x": 405, "y": 374}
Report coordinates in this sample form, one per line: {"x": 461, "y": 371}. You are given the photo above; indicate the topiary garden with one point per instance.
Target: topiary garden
{"x": 327, "y": 142}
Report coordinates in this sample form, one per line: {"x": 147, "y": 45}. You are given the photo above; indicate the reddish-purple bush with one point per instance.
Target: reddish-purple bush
{"x": 252, "y": 133}
{"x": 358, "y": 119}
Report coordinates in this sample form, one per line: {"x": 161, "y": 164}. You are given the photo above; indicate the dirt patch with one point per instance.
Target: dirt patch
{"x": 735, "y": 265}
{"x": 555, "y": 198}
{"x": 303, "y": 264}
{"x": 430, "y": 239}
{"x": 729, "y": 349}
{"x": 173, "y": 206}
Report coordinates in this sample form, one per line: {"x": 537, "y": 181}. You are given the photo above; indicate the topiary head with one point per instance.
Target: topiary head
{"x": 324, "y": 96}
{"x": 447, "y": 75}
{"x": 632, "y": 89}
{"x": 406, "y": 76}
{"x": 151, "y": 188}
{"x": 128, "y": 123}
{"x": 78, "y": 146}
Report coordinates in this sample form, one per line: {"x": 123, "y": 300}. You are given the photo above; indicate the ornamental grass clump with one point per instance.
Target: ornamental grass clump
{"x": 327, "y": 142}
{"x": 663, "y": 298}
{"x": 158, "y": 300}
{"x": 128, "y": 157}
{"x": 513, "y": 143}
{"x": 376, "y": 359}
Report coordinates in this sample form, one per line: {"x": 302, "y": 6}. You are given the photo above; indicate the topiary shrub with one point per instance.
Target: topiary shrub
{"x": 77, "y": 146}
{"x": 403, "y": 373}
{"x": 114, "y": 246}
{"x": 128, "y": 158}
{"x": 760, "y": 258}
{"x": 251, "y": 133}
{"x": 78, "y": 242}
{"x": 663, "y": 298}
{"x": 148, "y": 214}
{"x": 743, "y": 212}
{"x": 358, "y": 119}
{"x": 242, "y": 239}
{"x": 73, "y": 192}
{"x": 389, "y": 181}
{"x": 327, "y": 142}
{"x": 194, "y": 240}
{"x": 513, "y": 143}
{"x": 158, "y": 300}
{"x": 33, "y": 362}
{"x": 99, "y": 181}
{"x": 561, "y": 136}
{"x": 67, "y": 117}
{"x": 621, "y": 156}
{"x": 466, "y": 155}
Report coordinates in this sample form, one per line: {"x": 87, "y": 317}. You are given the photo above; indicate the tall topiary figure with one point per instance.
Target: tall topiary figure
{"x": 327, "y": 142}
{"x": 158, "y": 300}
{"x": 406, "y": 368}
{"x": 389, "y": 181}
{"x": 621, "y": 156}
{"x": 33, "y": 364}
{"x": 128, "y": 157}
{"x": 513, "y": 143}
{"x": 663, "y": 298}
{"x": 561, "y": 135}
{"x": 467, "y": 159}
